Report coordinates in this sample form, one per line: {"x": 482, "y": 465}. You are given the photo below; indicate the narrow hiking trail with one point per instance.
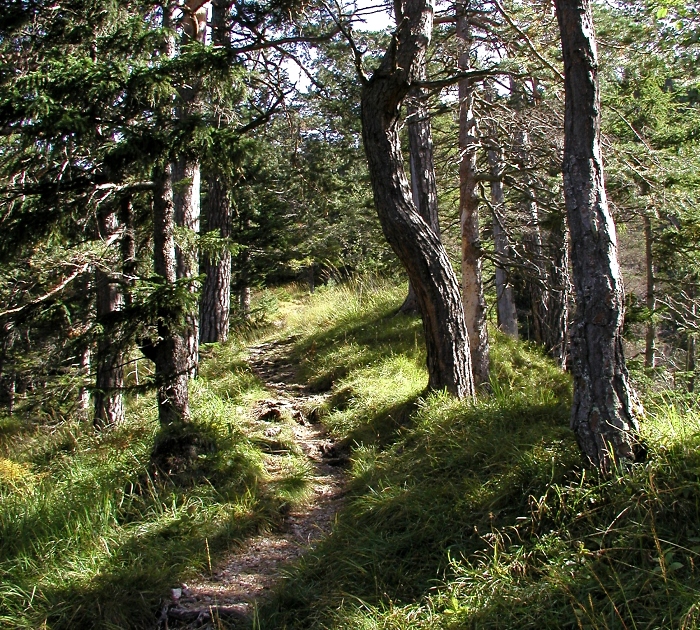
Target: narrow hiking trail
{"x": 244, "y": 576}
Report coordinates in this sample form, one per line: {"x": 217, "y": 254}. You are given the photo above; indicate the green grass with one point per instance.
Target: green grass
{"x": 88, "y": 538}
{"x": 458, "y": 515}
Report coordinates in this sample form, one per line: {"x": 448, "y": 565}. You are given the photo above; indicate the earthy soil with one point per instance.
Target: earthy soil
{"x": 239, "y": 580}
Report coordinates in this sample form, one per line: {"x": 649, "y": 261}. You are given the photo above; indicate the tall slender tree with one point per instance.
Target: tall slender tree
{"x": 472, "y": 284}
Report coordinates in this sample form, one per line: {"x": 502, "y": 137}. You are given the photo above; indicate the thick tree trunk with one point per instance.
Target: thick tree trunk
{"x": 186, "y": 178}
{"x": 505, "y": 300}
{"x": 650, "y": 347}
{"x": 472, "y": 285}
{"x": 602, "y": 416}
{"x": 109, "y": 381}
{"x": 215, "y": 304}
{"x": 413, "y": 240}
{"x": 170, "y": 351}
{"x": 423, "y": 184}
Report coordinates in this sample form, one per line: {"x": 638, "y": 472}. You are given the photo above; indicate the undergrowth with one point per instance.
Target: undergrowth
{"x": 458, "y": 514}
{"x": 91, "y": 538}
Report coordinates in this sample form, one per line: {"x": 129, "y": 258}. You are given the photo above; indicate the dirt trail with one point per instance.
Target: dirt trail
{"x": 243, "y": 577}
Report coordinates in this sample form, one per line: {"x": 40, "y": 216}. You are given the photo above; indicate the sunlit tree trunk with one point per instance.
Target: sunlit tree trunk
{"x": 413, "y": 240}
{"x": 472, "y": 285}
{"x": 602, "y": 417}
{"x": 186, "y": 179}
{"x": 423, "y": 184}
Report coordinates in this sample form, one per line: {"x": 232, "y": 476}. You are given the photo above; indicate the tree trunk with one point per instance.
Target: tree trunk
{"x": 602, "y": 418}
{"x": 505, "y": 300}
{"x": 413, "y": 240}
{"x": 650, "y": 346}
{"x": 186, "y": 178}
{"x": 472, "y": 285}
{"x": 215, "y": 304}
{"x": 690, "y": 363}
{"x": 532, "y": 242}
{"x": 423, "y": 184}
{"x": 127, "y": 246}
{"x": 83, "y": 390}
{"x": 556, "y": 321}
{"x": 109, "y": 381}
{"x": 169, "y": 353}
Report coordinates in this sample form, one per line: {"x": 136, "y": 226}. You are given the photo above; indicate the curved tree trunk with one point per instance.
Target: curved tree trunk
{"x": 413, "y": 240}
{"x": 601, "y": 417}
{"x": 472, "y": 285}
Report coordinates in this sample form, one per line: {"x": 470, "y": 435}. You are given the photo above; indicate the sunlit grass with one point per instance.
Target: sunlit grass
{"x": 458, "y": 514}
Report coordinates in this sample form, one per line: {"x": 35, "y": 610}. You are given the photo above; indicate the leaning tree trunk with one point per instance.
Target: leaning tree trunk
{"x": 505, "y": 300}
{"x": 423, "y": 184}
{"x": 169, "y": 353}
{"x": 472, "y": 285}
{"x": 109, "y": 380}
{"x": 601, "y": 417}
{"x": 413, "y": 240}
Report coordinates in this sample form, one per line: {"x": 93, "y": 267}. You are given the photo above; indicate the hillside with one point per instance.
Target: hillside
{"x": 454, "y": 514}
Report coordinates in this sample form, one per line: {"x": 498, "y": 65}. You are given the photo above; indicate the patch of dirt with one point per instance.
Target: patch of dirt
{"x": 245, "y": 576}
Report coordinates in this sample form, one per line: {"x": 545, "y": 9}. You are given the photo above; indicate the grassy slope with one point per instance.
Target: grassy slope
{"x": 458, "y": 516}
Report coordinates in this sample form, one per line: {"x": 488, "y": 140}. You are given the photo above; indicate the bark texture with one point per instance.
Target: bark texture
{"x": 109, "y": 377}
{"x": 601, "y": 418}
{"x": 186, "y": 178}
{"x": 423, "y": 184}
{"x": 215, "y": 304}
{"x": 169, "y": 352}
{"x": 472, "y": 286}
{"x": 413, "y": 240}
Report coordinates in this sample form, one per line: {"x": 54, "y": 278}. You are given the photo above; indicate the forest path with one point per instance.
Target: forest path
{"x": 244, "y": 576}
